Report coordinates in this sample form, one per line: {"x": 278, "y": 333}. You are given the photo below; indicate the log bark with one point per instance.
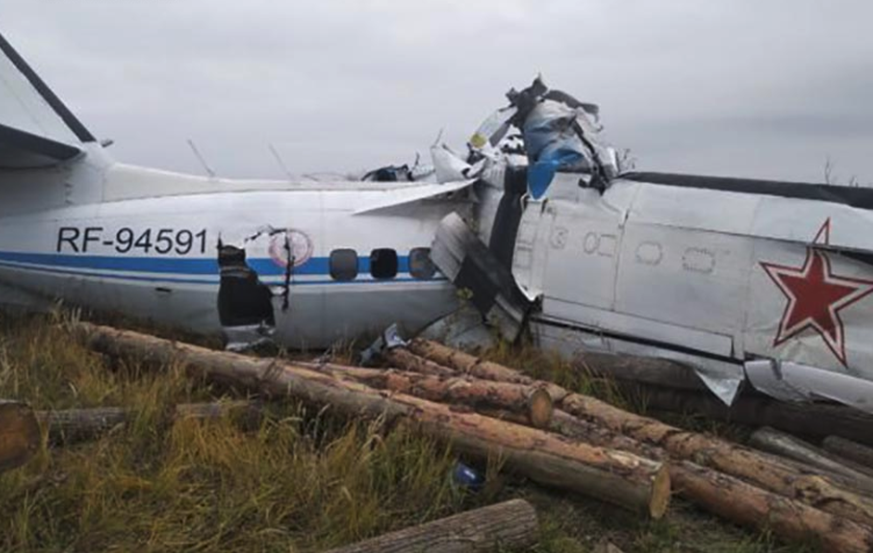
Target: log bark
{"x": 744, "y": 463}
{"x": 748, "y": 505}
{"x": 19, "y": 434}
{"x": 769, "y": 473}
{"x": 400, "y": 357}
{"x": 511, "y": 525}
{"x": 534, "y": 402}
{"x": 479, "y": 368}
{"x": 70, "y": 425}
{"x": 643, "y": 370}
{"x": 785, "y": 445}
{"x": 731, "y": 498}
{"x": 617, "y": 477}
{"x": 816, "y": 420}
{"x": 728, "y": 497}
{"x": 850, "y": 450}
{"x": 246, "y": 413}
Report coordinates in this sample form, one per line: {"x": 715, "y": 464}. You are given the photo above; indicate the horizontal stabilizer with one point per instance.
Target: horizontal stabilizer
{"x": 19, "y": 149}
{"x": 36, "y": 128}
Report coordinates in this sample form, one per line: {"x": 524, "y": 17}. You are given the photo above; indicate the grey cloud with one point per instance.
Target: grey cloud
{"x": 727, "y": 86}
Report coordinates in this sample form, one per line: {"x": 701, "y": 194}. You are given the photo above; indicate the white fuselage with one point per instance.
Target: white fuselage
{"x": 712, "y": 277}
{"x": 145, "y": 244}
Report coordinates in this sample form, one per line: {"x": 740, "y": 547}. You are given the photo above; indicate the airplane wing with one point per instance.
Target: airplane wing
{"x": 36, "y": 128}
{"x": 413, "y": 193}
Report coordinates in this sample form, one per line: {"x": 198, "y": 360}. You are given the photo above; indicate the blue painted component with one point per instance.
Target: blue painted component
{"x": 179, "y": 265}
{"x": 189, "y": 271}
{"x": 539, "y": 177}
{"x": 467, "y": 477}
{"x": 541, "y": 173}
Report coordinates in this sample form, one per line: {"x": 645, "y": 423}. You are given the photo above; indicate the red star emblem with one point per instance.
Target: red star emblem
{"x": 816, "y": 296}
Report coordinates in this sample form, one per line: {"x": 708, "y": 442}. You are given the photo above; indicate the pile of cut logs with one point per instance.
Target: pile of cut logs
{"x": 558, "y": 438}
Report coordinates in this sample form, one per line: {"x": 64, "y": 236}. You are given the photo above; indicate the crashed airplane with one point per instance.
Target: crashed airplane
{"x": 744, "y": 280}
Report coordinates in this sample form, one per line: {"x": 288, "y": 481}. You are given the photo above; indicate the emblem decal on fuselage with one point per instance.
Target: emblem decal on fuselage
{"x": 816, "y": 296}
{"x": 294, "y": 242}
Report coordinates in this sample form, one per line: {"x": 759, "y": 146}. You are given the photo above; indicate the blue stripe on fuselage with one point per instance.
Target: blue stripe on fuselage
{"x": 184, "y": 270}
{"x": 180, "y": 265}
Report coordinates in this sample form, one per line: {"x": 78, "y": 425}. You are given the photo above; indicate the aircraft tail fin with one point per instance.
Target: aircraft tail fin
{"x": 36, "y": 128}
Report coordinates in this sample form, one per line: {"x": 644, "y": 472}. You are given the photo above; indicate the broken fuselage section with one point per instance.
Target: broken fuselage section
{"x": 744, "y": 280}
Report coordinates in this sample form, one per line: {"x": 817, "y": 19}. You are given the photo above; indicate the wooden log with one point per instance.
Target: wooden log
{"x": 769, "y": 473}
{"x": 401, "y": 357}
{"x": 735, "y": 500}
{"x": 532, "y": 401}
{"x": 246, "y": 413}
{"x": 816, "y": 420}
{"x": 850, "y": 450}
{"x": 621, "y": 478}
{"x": 511, "y": 525}
{"x": 479, "y": 368}
{"x": 70, "y": 425}
{"x": 638, "y": 369}
{"x": 729, "y": 497}
{"x": 785, "y": 445}
{"x": 19, "y": 434}
{"x": 742, "y": 462}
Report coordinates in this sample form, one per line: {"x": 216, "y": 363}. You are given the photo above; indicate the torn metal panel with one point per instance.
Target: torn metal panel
{"x": 388, "y": 339}
{"x": 529, "y": 259}
{"x": 448, "y": 166}
{"x": 244, "y": 303}
{"x": 468, "y": 263}
{"x": 559, "y": 134}
{"x": 790, "y": 381}
{"x": 507, "y": 218}
{"x": 723, "y": 377}
{"x": 494, "y": 129}
{"x": 389, "y": 173}
{"x": 464, "y": 329}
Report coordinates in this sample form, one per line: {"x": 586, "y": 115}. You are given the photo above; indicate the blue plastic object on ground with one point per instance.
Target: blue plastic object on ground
{"x": 467, "y": 477}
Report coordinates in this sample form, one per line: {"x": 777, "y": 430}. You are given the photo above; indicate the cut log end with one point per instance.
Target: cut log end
{"x": 19, "y": 434}
{"x": 540, "y": 408}
{"x": 661, "y": 490}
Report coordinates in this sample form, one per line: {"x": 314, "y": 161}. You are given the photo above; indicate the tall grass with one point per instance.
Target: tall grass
{"x": 304, "y": 480}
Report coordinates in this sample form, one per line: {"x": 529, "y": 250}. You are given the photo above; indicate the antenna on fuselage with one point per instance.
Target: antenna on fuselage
{"x": 202, "y": 161}
{"x": 280, "y": 162}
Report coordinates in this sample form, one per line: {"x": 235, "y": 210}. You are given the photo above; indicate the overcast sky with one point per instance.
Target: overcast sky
{"x": 729, "y": 87}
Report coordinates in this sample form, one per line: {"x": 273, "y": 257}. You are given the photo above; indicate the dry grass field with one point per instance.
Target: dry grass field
{"x": 304, "y": 480}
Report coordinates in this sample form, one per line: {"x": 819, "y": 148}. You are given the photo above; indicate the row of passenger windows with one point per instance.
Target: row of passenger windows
{"x": 384, "y": 264}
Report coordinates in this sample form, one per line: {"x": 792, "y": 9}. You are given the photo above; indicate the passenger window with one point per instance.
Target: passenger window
{"x": 344, "y": 264}
{"x": 420, "y": 265}
{"x": 383, "y": 263}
